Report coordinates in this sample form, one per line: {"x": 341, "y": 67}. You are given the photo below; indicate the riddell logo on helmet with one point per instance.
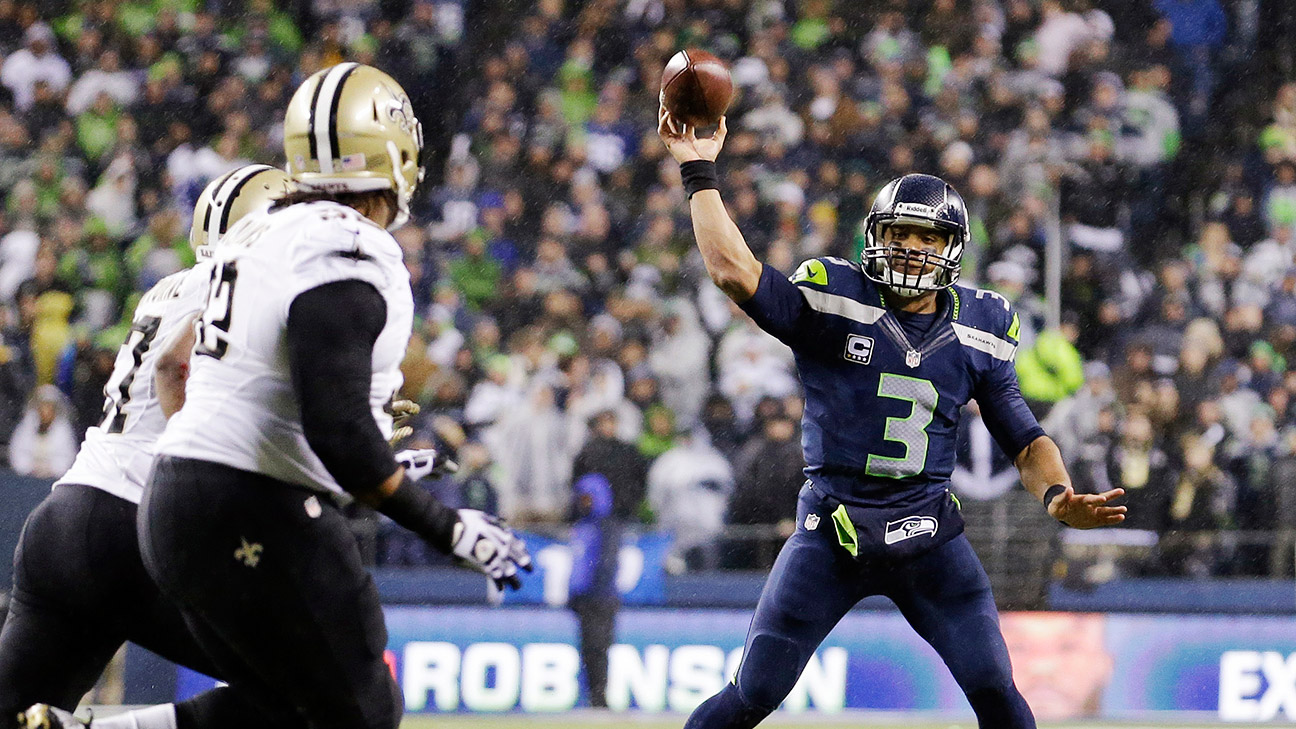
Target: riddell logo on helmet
{"x": 925, "y": 211}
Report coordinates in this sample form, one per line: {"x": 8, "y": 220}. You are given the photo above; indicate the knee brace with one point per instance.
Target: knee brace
{"x": 769, "y": 671}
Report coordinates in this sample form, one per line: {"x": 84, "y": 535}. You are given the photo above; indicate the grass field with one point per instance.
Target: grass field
{"x": 862, "y": 721}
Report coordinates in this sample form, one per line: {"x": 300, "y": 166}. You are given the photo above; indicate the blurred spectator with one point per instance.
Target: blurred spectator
{"x": 617, "y": 461}
{"x": 768, "y": 476}
{"x": 17, "y": 376}
{"x": 107, "y": 79}
{"x": 1076, "y": 419}
{"x": 752, "y": 365}
{"x": 44, "y": 442}
{"x": 592, "y": 590}
{"x": 1197, "y": 30}
{"x": 659, "y": 431}
{"x": 530, "y": 444}
{"x": 45, "y": 306}
{"x": 1049, "y": 370}
{"x": 1092, "y": 198}
{"x": 1199, "y": 502}
{"x": 681, "y": 351}
{"x": 37, "y": 61}
{"x": 17, "y": 260}
{"x": 476, "y": 487}
{"x": 688, "y": 490}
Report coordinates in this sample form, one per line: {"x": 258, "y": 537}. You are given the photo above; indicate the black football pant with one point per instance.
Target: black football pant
{"x": 944, "y": 594}
{"x": 270, "y": 580}
{"x": 80, "y": 591}
{"x": 596, "y": 620}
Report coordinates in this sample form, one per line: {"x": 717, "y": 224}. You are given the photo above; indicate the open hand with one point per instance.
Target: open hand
{"x": 1087, "y": 511}
{"x": 683, "y": 144}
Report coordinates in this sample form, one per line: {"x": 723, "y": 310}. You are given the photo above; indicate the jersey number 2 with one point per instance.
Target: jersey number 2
{"x": 213, "y": 328}
{"x": 909, "y": 431}
{"x": 117, "y": 394}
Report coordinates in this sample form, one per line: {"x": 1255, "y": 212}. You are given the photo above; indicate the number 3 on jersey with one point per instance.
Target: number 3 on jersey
{"x": 213, "y": 328}
{"x": 909, "y": 431}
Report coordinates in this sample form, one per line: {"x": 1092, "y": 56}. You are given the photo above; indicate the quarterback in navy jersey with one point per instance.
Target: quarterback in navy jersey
{"x": 889, "y": 349}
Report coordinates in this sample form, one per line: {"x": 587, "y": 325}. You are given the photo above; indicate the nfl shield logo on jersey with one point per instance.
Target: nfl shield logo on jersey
{"x": 811, "y": 522}
{"x": 913, "y": 358}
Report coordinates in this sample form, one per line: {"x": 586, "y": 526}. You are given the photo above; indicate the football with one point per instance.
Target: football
{"x": 696, "y": 88}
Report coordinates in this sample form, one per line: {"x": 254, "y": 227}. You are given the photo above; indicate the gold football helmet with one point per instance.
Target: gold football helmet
{"x": 351, "y": 128}
{"x": 228, "y": 198}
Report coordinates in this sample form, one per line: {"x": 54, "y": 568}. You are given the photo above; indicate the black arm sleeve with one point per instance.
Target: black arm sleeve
{"x": 331, "y": 333}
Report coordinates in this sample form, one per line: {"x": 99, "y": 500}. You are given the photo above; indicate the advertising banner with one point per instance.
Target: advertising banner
{"x": 1068, "y": 665}
{"x": 641, "y": 575}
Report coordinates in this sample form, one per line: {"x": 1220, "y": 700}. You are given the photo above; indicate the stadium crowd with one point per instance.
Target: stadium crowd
{"x": 566, "y": 324}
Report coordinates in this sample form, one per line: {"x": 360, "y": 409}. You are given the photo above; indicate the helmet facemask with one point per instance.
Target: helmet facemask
{"x": 923, "y": 201}
{"x": 886, "y": 263}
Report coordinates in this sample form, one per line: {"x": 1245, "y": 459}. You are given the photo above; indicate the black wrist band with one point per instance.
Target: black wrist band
{"x": 1053, "y": 492}
{"x": 699, "y": 174}
{"x": 420, "y": 512}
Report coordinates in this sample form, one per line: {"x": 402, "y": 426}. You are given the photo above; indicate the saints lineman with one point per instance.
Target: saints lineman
{"x": 298, "y": 353}
{"x": 889, "y": 349}
{"x": 80, "y": 588}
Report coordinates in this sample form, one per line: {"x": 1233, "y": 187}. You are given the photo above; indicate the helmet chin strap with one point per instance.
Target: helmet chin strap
{"x": 907, "y": 293}
{"x": 927, "y": 279}
{"x": 403, "y": 191}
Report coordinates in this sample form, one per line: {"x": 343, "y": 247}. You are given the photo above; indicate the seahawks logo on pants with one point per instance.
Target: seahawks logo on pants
{"x": 910, "y": 527}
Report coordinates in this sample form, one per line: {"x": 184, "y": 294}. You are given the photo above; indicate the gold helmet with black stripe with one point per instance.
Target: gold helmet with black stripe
{"x": 351, "y": 128}
{"x": 228, "y": 198}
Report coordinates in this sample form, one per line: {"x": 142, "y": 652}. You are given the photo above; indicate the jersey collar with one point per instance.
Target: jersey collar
{"x": 940, "y": 335}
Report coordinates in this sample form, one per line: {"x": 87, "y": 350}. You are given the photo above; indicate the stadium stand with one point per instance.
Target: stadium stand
{"x": 554, "y": 266}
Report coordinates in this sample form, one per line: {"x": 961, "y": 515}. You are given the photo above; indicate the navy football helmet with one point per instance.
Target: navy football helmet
{"x": 915, "y": 200}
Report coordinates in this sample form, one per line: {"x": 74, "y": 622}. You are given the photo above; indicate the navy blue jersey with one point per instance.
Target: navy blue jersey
{"x": 882, "y": 410}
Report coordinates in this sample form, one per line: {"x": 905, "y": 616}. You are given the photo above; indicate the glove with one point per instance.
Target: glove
{"x": 487, "y": 544}
{"x": 400, "y": 434}
{"x": 401, "y": 411}
{"x": 419, "y": 464}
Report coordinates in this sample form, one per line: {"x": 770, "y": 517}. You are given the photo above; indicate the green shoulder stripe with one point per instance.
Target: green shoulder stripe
{"x": 1015, "y": 328}
{"x": 813, "y": 271}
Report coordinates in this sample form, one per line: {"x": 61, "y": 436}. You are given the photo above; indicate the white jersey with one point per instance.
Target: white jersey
{"x": 240, "y": 406}
{"x": 117, "y": 453}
